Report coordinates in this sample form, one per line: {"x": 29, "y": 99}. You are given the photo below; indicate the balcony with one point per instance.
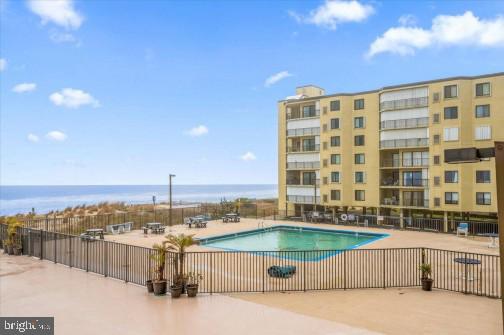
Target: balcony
{"x": 390, "y": 201}
{"x": 405, "y": 123}
{"x": 303, "y": 165}
{"x": 404, "y": 103}
{"x": 406, "y": 162}
{"x": 404, "y": 143}
{"x": 298, "y": 182}
{"x": 391, "y": 182}
{"x": 303, "y": 199}
{"x": 303, "y": 115}
{"x": 390, "y": 163}
{"x": 423, "y": 203}
{"x": 306, "y": 148}
{"x": 303, "y": 132}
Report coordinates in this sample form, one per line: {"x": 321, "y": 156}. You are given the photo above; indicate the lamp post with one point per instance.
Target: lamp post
{"x": 154, "y": 206}
{"x": 474, "y": 155}
{"x": 170, "y": 222}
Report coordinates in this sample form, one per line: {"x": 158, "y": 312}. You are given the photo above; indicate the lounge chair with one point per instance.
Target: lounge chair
{"x": 463, "y": 228}
{"x": 277, "y": 271}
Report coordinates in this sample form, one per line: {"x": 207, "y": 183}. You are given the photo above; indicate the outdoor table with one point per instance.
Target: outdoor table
{"x": 493, "y": 239}
{"x": 467, "y": 261}
{"x": 94, "y": 232}
{"x": 231, "y": 217}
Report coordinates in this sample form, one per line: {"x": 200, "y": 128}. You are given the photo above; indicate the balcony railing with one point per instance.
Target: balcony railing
{"x": 390, "y": 163}
{"x": 424, "y": 203}
{"x": 390, "y": 202}
{"x": 303, "y": 131}
{"x": 301, "y": 115}
{"x": 306, "y": 148}
{"x": 405, "y": 182}
{"x": 405, "y": 123}
{"x": 303, "y": 199}
{"x": 303, "y": 165}
{"x": 409, "y": 162}
{"x": 390, "y": 182}
{"x": 404, "y": 103}
{"x": 298, "y": 182}
{"x": 404, "y": 143}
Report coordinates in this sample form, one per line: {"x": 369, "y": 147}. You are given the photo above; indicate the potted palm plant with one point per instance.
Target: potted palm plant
{"x": 193, "y": 280}
{"x": 178, "y": 244}
{"x": 426, "y": 270}
{"x": 159, "y": 284}
{"x": 13, "y": 243}
{"x": 149, "y": 284}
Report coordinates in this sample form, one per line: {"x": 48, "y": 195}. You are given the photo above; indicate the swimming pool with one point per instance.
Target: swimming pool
{"x": 289, "y": 241}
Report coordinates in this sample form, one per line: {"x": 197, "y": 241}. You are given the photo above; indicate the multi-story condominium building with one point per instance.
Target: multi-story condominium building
{"x": 381, "y": 151}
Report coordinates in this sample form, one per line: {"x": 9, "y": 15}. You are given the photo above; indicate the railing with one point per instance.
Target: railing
{"x": 303, "y": 131}
{"x": 300, "y": 182}
{"x": 404, "y": 103}
{"x": 413, "y": 162}
{"x": 241, "y": 271}
{"x": 389, "y": 202}
{"x": 303, "y": 199}
{"x": 390, "y": 182}
{"x": 306, "y": 148}
{"x": 390, "y": 163}
{"x": 415, "y": 182}
{"x": 405, "y": 123}
{"x": 404, "y": 143}
{"x": 301, "y": 115}
{"x": 303, "y": 165}
{"x": 424, "y": 203}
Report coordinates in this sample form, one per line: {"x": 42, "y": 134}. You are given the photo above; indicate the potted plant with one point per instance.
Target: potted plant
{"x": 8, "y": 247}
{"x": 17, "y": 248}
{"x": 159, "y": 284}
{"x": 193, "y": 280}
{"x": 178, "y": 244}
{"x": 426, "y": 270}
{"x": 12, "y": 232}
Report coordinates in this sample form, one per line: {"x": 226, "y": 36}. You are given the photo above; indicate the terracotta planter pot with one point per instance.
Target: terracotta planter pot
{"x": 176, "y": 291}
{"x": 192, "y": 290}
{"x": 17, "y": 251}
{"x": 150, "y": 286}
{"x": 160, "y": 287}
{"x": 427, "y": 284}
{"x": 10, "y": 250}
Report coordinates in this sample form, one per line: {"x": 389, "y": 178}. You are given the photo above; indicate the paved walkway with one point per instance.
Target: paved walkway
{"x": 85, "y": 303}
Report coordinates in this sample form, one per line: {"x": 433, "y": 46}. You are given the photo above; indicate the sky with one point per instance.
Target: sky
{"x": 127, "y": 92}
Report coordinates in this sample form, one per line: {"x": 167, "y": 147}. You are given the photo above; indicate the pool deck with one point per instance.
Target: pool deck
{"x": 86, "y": 303}
{"x": 397, "y": 238}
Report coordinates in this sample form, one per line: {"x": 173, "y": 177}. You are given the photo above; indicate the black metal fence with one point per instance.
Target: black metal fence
{"x": 238, "y": 271}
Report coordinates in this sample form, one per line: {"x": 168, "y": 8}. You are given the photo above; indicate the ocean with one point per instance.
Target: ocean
{"x": 21, "y": 199}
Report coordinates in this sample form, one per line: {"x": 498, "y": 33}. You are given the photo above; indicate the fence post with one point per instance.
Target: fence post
{"x": 41, "y": 244}
{"x": 263, "y": 272}
{"x": 87, "y": 255}
{"x": 126, "y": 264}
{"x": 384, "y": 264}
{"x": 304, "y": 271}
{"x": 465, "y": 274}
{"x": 55, "y": 248}
{"x": 344, "y": 270}
{"x": 70, "y": 253}
{"x": 105, "y": 258}
{"x": 211, "y": 272}
{"x": 29, "y": 242}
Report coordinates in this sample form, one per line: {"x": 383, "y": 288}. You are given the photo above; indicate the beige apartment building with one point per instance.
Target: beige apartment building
{"x": 381, "y": 151}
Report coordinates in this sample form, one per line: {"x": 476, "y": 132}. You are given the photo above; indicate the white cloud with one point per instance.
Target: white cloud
{"x": 248, "y": 156}
{"x": 73, "y": 98}
{"x": 273, "y": 79}
{"x": 59, "y": 12}
{"x": 198, "y": 131}
{"x": 407, "y": 20}
{"x": 65, "y": 37}
{"x": 446, "y": 30}
{"x": 33, "y": 138}
{"x": 3, "y": 64}
{"x": 334, "y": 12}
{"x": 56, "y": 135}
{"x": 24, "y": 87}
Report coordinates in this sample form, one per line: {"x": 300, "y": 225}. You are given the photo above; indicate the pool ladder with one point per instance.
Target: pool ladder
{"x": 260, "y": 225}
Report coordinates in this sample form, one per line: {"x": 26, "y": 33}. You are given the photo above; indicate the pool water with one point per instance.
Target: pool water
{"x": 320, "y": 243}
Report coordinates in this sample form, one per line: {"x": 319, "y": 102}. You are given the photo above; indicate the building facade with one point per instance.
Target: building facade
{"x": 381, "y": 151}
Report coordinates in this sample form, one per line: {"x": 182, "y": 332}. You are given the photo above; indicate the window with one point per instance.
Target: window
{"x": 450, "y": 91}
{"x": 436, "y": 160}
{"x": 482, "y": 133}
{"x": 335, "y": 159}
{"x": 360, "y": 195}
{"x": 335, "y": 123}
{"x": 324, "y": 197}
{"x": 324, "y": 180}
{"x": 451, "y": 198}
{"x": 483, "y": 198}
{"x": 482, "y": 177}
{"x": 437, "y": 181}
{"x": 324, "y": 127}
{"x": 436, "y": 139}
{"x": 435, "y": 118}
{"x": 359, "y": 177}
{"x": 359, "y": 122}
{"x": 335, "y": 177}
{"x": 335, "y": 141}
{"x": 413, "y": 178}
{"x": 335, "y": 195}
{"x": 435, "y": 97}
{"x": 450, "y": 113}
{"x": 359, "y": 159}
{"x": 324, "y": 110}
{"x": 309, "y": 111}
{"x": 358, "y": 104}
{"x": 309, "y": 144}
{"x": 324, "y": 145}
{"x": 359, "y": 140}
{"x": 324, "y": 162}
{"x": 437, "y": 202}
{"x": 335, "y": 105}
{"x": 482, "y": 89}
{"x": 309, "y": 178}
{"x": 482, "y": 111}
{"x": 451, "y": 134}
{"x": 451, "y": 177}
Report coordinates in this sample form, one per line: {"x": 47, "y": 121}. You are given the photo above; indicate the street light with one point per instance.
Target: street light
{"x": 170, "y": 222}
{"x": 474, "y": 155}
{"x": 154, "y": 206}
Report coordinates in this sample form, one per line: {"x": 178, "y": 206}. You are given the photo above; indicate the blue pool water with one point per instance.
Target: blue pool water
{"x": 292, "y": 242}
